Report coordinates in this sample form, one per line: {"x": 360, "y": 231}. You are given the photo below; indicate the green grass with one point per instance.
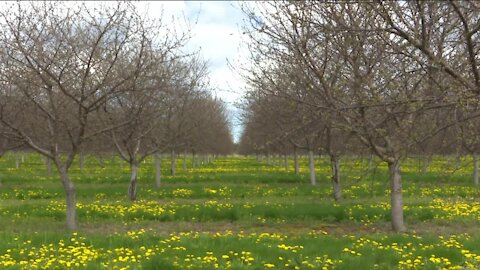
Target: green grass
{"x": 237, "y": 213}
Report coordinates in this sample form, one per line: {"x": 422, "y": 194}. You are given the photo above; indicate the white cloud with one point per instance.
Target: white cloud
{"x": 215, "y": 27}
{"x": 217, "y": 33}
{"x": 154, "y": 9}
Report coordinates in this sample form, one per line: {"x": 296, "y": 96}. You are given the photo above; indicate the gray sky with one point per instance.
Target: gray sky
{"x": 215, "y": 26}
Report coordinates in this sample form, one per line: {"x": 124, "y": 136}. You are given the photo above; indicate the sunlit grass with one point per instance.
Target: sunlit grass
{"x": 237, "y": 213}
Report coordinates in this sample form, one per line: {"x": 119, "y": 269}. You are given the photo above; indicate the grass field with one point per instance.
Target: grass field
{"x": 237, "y": 213}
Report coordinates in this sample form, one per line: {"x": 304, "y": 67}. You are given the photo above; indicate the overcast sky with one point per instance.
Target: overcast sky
{"x": 215, "y": 26}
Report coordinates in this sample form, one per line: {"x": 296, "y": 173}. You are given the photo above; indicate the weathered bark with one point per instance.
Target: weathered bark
{"x": 70, "y": 197}
{"x": 396, "y": 196}
{"x": 132, "y": 189}
{"x": 424, "y": 164}
{"x": 158, "y": 173}
{"x": 311, "y": 164}
{"x": 173, "y": 169}
{"x": 295, "y": 160}
{"x": 184, "y": 165}
{"x": 337, "y": 191}
{"x": 475, "y": 169}
{"x": 286, "y": 163}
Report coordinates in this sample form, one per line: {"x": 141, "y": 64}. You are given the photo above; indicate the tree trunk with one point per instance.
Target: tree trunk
{"x": 475, "y": 169}
{"x": 268, "y": 159}
{"x": 424, "y": 164}
{"x": 1, "y": 154}
{"x": 311, "y": 163}
{"x": 194, "y": 161}
{"x": 274, "y": 158}
{"x": 286, "y": 163}
{"x": 458, "y": 160}
{"x": 173, "y": 169}
{"x": 70, "y": 198}
{"x": 184, "y": 165}
{"x": 295, "y": 160}
{"x": 82, "y": 161}
{"x": 370, "y": 162}
{"x": 158, "y": 173}
{"x": 49, "y": 167}
{"x": 132, "y": 189}
{"x": 337, "y": 191}
{"x": 101, "y": 161}
{"x": 396, "y": 196}
{"x": 17, "y": 161}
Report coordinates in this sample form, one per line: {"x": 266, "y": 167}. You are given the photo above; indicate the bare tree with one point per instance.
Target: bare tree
{"x": 210, "y": 127}
{"x": 7, "y": 144}
{"x": 59, "y": 66}
{"x": 355, "y": 72}
{"x": 446, "y": 35}
{"x": 153, "y": 101}
{"x": 469, "y": 141}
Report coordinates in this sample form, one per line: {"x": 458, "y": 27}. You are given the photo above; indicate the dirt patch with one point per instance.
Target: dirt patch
{"x": 336, "y": 229}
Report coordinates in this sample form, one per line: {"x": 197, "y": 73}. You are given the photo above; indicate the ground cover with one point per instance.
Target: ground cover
{"x": 238, "y": 213}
